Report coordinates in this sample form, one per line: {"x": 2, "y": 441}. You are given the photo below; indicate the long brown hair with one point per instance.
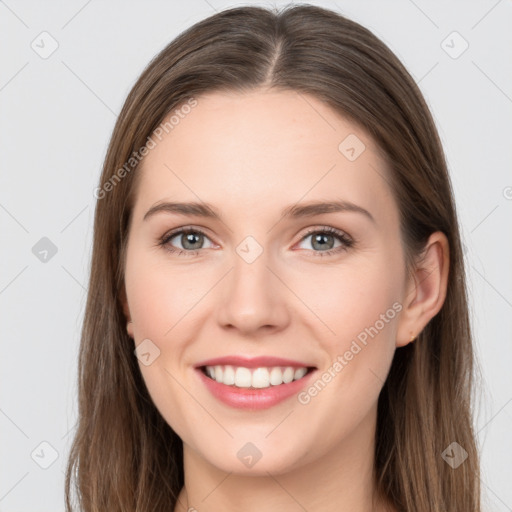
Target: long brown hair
{"x": 124, "y": 456}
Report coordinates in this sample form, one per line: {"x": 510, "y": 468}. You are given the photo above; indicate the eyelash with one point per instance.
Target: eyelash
{"x": 346, "y": 241}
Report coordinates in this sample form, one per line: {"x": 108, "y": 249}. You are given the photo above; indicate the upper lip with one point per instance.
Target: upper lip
{"x": 252, "y": 362}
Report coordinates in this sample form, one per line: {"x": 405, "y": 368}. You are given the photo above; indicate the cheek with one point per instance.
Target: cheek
{"x": 347, "y": 299}
{"x": 358, "y": 359}
{"x": 162, "y": 300}
{"x": 160, "y": 295}
{"x": 356, "y": 310}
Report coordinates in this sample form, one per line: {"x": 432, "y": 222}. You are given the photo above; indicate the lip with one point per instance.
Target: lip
{"x": 252, "y": 398}
{"x": 253, "y": 362}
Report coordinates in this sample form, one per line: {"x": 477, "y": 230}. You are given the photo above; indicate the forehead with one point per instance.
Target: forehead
{"x": 262, "y": 149}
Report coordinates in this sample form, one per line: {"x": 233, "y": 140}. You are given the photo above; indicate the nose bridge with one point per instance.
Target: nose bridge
{"x": 252, "y": 297}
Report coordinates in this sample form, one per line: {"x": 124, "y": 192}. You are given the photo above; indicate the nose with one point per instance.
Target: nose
{"x": 253, "y": 298}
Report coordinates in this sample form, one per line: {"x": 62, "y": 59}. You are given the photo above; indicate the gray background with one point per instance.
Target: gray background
{"x": 57, "y": 114}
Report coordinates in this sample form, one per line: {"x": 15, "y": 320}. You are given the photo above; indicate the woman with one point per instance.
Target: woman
{"x": 223, "y": 365}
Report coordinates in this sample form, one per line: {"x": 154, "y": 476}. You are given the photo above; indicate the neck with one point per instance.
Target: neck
{"x": 340, "y": 480}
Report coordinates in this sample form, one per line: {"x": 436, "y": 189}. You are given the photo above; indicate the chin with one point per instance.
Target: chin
{"x": 255, "y": 459}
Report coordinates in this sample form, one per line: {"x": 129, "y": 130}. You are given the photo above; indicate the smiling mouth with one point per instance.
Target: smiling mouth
{"x": 255, "y": 378}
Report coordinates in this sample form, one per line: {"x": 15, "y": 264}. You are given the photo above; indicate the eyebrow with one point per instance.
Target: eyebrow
{"x": 296, "y": 211}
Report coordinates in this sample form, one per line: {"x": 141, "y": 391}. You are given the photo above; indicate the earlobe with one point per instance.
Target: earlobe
{"x": 426, "y": 289}
{"x": 126, "y": 311}
{"x": 129, "y": 328}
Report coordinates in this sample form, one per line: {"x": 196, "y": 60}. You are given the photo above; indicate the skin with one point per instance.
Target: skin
{"x": 251, "y": 155}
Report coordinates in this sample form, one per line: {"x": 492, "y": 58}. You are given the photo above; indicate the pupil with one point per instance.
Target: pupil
{"x": 318, "y": 238}
{"x": 189, "y": 239}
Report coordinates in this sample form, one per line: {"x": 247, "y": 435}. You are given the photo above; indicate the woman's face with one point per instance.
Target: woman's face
{"x": 269, "y": 276}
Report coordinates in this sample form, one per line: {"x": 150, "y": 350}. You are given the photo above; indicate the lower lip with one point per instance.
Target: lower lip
{"x": 256, "y": 399}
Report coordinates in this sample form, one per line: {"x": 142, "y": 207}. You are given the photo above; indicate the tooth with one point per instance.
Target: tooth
{"x": 276, "y": 376}
{"x": 243, "y": 377}
{"x": 299, "y": 373}
{"x": 260, "y": 378}
{"x": 229, "y": 375}
{"x": 288, "y": 374}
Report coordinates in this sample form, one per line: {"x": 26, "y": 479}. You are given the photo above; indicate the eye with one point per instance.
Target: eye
{"x": 325, "y": 238}
{"x": 190, "y": 239}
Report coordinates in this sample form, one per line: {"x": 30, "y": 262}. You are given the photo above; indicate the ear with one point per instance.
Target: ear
{"x": 425, "y": 290}
{"x": 126, "y": 311}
